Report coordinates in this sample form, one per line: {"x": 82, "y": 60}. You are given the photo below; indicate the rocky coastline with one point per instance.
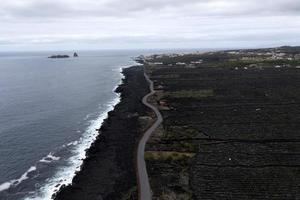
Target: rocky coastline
{"x": 108, "y": 172}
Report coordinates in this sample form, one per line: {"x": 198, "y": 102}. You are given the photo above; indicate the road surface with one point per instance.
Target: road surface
{"x": 143, "y": 180}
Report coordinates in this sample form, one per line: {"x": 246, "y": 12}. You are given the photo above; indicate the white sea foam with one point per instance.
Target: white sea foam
{"x": 49, "y": 158}
{"x": 87, "y": 116}
{"x": 65, "y": 175}
{"x": 5, "y": 186}
{"x": 74, "y": 143}
{"x": 15, "y": 182}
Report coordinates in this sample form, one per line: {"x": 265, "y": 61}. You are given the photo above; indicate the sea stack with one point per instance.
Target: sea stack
{"x": 75, "y": 55}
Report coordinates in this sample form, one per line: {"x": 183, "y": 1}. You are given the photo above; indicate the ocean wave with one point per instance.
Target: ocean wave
{"x": 121, "y": 80}
{"x": 15, "y": 182}
{"x": 65, "y": 175}
{"x": 49, "y": 158}
{"x": 87, "y": 116}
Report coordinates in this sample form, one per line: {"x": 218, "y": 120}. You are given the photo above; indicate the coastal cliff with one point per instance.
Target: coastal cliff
{"x": 108, "y": 172}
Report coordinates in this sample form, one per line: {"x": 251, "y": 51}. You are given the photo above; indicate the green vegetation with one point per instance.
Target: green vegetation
{"x": 167, "y": 156}
{"x": 178, "y": 132}
{"x": 130, "y": 194}
{"x": 281, "y": 62}
{"x": 197, "y": 94}
{"x": 191, "y": 147}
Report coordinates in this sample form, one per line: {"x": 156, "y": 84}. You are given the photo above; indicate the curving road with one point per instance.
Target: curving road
{"x": 143, "y": 180}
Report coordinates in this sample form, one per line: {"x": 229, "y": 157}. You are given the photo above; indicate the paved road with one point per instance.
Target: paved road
{"x": 143, "y": 180}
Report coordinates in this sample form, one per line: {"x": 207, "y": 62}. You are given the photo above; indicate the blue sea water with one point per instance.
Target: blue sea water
{"x": 49, "y": 112}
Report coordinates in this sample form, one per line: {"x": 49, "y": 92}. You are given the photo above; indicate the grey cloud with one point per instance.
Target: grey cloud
{"x": 120, "y": 8}
{"x": 149, "y": 23}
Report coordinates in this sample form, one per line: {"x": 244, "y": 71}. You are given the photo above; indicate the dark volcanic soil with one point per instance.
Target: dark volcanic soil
{"x": 251, "y": 126}
{"x": 244, "y": 131}
{"x": 108, "y": 172}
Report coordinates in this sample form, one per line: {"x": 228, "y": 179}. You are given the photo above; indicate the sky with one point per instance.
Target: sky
{"x": 147, "y": 24}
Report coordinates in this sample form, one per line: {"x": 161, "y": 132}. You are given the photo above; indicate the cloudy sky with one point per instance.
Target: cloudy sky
{"x": 142, "y": 24}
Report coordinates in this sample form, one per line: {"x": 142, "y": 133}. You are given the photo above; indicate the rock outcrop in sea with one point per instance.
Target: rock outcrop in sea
{"x": 59, "y": 56}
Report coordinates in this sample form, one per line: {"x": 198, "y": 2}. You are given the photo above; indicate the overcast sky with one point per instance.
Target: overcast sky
{"x": 142, "y": 24}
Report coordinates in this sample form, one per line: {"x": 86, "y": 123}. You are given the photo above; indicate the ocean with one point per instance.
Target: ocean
{"x": 49, "y": 112}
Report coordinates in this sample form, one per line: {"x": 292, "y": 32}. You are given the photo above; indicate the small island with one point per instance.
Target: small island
{"x": 75, "y": 55}
{"x": 59, "y": 56}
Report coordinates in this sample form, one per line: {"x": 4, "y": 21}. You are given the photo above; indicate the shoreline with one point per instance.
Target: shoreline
{"x": 64, "y": 176}
{"x": 104, "y": 172}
